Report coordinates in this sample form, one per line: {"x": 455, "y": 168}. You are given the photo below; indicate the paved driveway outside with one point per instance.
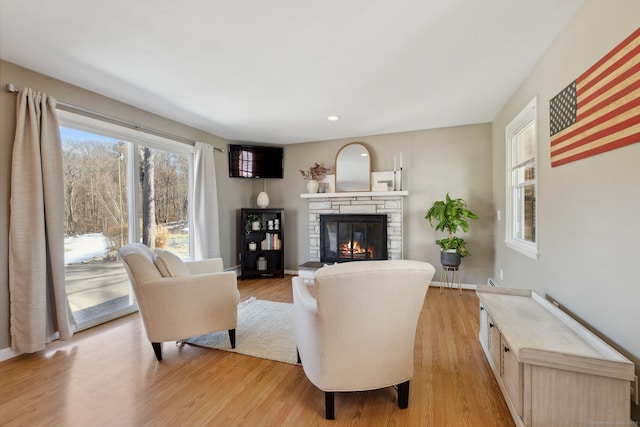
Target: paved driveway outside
{"x": 95, "y": 283}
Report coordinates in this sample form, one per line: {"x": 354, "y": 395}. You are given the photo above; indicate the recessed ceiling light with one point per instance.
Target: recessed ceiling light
{"x": 333, "y": 118}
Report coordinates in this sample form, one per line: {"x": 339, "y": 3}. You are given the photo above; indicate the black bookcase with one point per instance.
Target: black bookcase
{"x": 267, "y": 259}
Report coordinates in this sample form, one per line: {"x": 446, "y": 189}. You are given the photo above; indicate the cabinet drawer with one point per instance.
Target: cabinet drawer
{"x": 512, "y": 376}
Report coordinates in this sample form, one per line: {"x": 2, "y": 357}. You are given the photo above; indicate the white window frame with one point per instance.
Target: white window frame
{"x": 136, "y": 139}
{"x": 527, "y": 117}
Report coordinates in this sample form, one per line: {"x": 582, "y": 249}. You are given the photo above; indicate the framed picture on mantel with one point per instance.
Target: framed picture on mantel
{"x": 382, "y": 181}
{"x": 329, "y": 184}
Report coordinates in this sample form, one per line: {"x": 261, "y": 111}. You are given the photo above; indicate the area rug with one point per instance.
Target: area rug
{"x": 265, "y": 330}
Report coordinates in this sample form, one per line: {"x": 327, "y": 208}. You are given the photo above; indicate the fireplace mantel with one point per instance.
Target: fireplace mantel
{"x": 354, "y": 194}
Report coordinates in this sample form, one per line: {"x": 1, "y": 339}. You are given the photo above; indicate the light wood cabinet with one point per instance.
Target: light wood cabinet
{"x": 552, "y": 371}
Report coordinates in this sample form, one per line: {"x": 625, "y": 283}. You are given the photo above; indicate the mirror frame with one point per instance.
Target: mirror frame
{"x": 362, "y": 183}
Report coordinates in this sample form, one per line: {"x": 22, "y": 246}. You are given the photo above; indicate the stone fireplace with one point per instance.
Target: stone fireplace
{"x": 353, "y": 237}
{"x": 387, "y": 204}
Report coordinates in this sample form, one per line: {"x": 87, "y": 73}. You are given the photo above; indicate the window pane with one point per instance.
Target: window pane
{"x": 521, "y": 146}
{"x": 164, "y": 201}
{"x": 524, "y": 145}
{"x": 95, "y": 224}
{"x": 524, "y": 174}
{"x": 529, "y": 172}
{"x": 524, "y": 210}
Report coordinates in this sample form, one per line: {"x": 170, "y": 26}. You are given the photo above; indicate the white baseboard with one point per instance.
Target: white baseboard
{"x": 462, "y": 285}
{"x": 8, "y": 353}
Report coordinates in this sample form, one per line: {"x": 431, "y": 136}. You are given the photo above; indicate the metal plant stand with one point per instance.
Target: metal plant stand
{"x": 449, "y": 277}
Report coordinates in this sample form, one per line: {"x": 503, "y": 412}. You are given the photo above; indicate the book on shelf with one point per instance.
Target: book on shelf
{"x": 271, "y": 242}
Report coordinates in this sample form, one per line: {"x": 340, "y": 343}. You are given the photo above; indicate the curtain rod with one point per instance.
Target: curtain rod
{"x": 90, "y": 113}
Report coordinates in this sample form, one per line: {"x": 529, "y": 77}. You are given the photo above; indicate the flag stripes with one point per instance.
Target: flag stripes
{"x": 600, "y": 111}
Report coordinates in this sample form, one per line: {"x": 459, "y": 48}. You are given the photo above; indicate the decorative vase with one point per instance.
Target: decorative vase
{"x": 263, "y": 200}
{"x": 253, "y": 246}
{"x": 262, "y": 264}
{"x": 312, "y": 186}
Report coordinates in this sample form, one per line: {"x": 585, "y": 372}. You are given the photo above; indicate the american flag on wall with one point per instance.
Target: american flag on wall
{"x": 600, "y": 110}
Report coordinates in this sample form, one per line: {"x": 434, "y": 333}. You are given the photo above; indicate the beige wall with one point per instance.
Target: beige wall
{"x": 588, "y": 211}
{"x": 233, "y": 193}
{"x": 455, "y": 160}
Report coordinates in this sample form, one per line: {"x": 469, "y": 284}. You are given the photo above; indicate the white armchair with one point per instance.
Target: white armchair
{"x": 179, "y": 300}
{"x": 357, "y": 332}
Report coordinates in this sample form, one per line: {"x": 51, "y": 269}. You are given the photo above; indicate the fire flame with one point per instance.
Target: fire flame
{"x": 358, "y": 251}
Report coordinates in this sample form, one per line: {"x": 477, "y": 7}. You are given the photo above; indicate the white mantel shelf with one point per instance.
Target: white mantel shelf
{"x": 354, "y": 194}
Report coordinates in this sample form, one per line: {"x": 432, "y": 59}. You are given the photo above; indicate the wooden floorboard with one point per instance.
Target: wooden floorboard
{"x": 108, "y": 376}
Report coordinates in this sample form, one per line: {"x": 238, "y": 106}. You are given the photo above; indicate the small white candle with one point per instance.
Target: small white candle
{"x": 400, "y": 160}
{"x": 394, "y": 163}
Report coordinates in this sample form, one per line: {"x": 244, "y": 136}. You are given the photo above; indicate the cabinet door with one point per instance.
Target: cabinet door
{"x": 484, "y": 328}
{"x": 495, "y": 346}
{"x": 512, "y": 376}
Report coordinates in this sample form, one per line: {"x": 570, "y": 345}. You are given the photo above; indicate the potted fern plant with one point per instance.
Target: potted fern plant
{"x": 451, "y": 215}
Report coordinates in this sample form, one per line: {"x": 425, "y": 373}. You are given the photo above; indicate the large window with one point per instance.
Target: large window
{"x": 521, "y": 148}
{"x": 121, "y": 186}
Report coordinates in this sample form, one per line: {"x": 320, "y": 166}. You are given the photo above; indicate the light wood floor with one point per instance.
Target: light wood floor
{"x": 108, "y": 376}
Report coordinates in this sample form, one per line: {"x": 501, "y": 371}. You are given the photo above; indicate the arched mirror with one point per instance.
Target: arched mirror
{"x": 353, "y": 168}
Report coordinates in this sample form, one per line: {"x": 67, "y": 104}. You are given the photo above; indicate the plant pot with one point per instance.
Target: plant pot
{"x": 255, "y": 225}
{"x": 450, "y": 258}
{"x": 312, "y": 186}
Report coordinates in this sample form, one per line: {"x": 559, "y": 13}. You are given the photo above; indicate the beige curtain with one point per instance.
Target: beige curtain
{"x": 39, "y": 308}
{"x": 206, "y": 231}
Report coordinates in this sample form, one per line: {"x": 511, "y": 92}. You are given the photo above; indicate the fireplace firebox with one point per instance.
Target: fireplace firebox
{"x": 356, "y": 237}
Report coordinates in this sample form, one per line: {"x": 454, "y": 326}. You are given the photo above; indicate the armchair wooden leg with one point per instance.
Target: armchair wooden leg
{"x": 403, "y": 395}
{"x": 157, "y": 349}
{"x": 329, "y": 410}
{"x": 232, "y": 337}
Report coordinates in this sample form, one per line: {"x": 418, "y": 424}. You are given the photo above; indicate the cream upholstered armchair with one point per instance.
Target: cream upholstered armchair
{"x": 358, "y": 332}
{"x": 179, "y": 300}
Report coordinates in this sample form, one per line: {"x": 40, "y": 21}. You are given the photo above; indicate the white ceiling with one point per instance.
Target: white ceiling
{"x": 272, "y": 71}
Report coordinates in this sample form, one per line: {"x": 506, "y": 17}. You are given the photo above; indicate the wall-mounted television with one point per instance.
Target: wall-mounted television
{"x": 255, "y": 161}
